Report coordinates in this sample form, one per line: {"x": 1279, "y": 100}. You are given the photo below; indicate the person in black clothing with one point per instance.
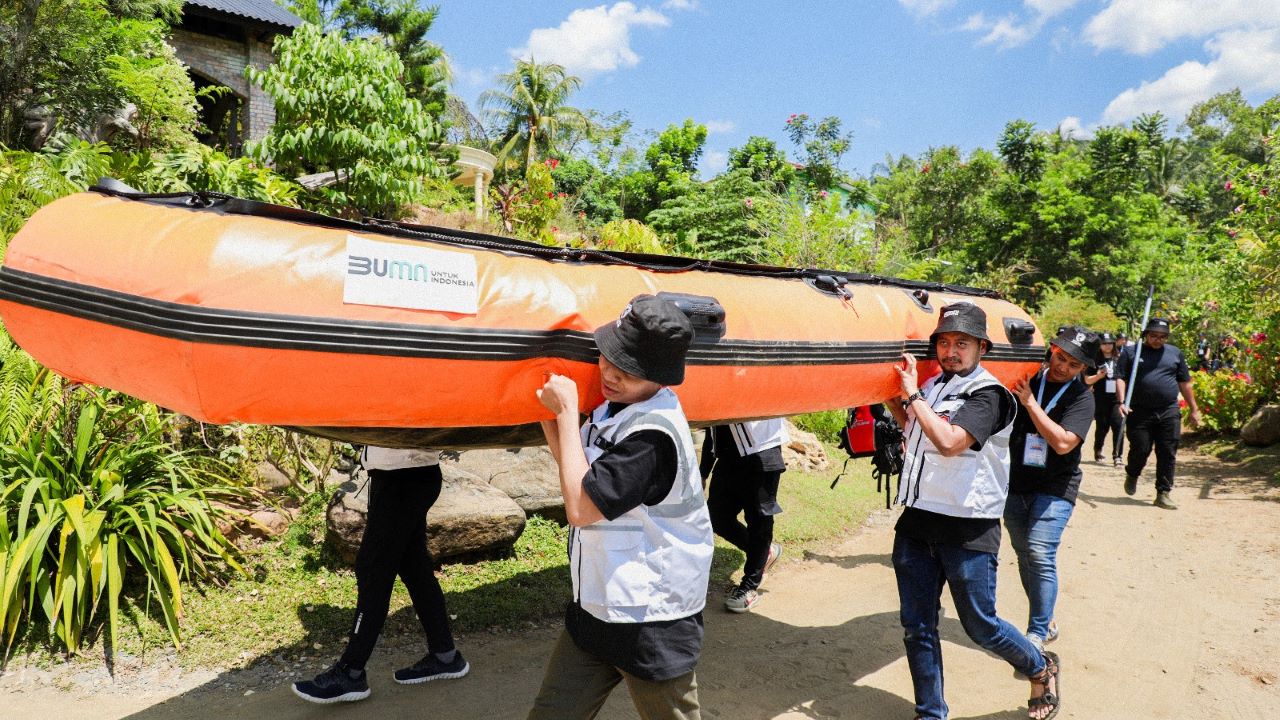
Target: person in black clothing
{"x": 744, "y": 462}
{"x": 640, "y": 540}
{"x": 1106, "y": 413}
{"x": 1044, "y": 473}
{"x": 1154, "y": 417}
{"x": 403, "y": 485}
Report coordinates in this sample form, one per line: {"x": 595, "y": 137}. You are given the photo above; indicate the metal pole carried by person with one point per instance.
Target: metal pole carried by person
{"x": 1133, "y": 371}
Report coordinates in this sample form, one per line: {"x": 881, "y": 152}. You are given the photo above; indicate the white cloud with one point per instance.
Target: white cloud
{"x": 719, "y": 126}
{"x": 1247, "y": 59}
{"x": 1144, "y": 26}
{"x": 713, "y": 163}
{"x": 1007, "y": 32}
{"x": 592, "y": 40}
{"x": 1070, "y": 128}
{"x": 872, "y": 122}
{"x": 1049, "y": 8}
{"x": 680, "y": 5}
{"x": 925, "y": 8}
{"x": 469, "y": 76}
{"x": 1016, "y": 29}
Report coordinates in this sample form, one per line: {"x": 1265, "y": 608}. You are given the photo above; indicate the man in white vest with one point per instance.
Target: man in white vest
{"x": 640, "y": 540}
{"x": 744, "y": 461}
{"x": 955, "y": 480}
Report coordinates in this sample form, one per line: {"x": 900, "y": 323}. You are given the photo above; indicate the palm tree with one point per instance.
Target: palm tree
{"x": 531, "y": 109}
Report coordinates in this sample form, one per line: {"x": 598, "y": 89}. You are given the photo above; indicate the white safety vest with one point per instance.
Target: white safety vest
{"x": 754, "y": 436}
{"x": 973, "y": 484}
{"x": 653, "y": 562}
{"x": 380, "y": 458}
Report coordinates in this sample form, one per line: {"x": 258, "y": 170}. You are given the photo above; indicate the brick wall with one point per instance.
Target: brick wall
{"x": 224, "y": 61}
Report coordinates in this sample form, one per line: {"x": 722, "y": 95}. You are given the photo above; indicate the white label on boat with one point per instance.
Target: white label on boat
{"x": 404, "y": 276}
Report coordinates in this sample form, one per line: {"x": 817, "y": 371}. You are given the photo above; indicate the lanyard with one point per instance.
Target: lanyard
{"x": 1040, "y": 393}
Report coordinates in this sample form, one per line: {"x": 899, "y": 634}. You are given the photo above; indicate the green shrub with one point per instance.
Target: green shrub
{"x": 1226, "y": 399}
{"x": 91, "y": 492}
{"x": 826, "y": 424}
{"x": 341, "y": 107}
{"x": 630, "y": 236}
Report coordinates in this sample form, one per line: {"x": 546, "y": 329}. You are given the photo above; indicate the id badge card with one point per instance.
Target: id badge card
{"x": 1035, "y": 452}
{"x": 1111, "y": 387}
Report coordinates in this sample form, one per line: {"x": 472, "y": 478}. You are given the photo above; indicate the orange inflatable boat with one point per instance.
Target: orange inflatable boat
{"x": 233, "y": 310}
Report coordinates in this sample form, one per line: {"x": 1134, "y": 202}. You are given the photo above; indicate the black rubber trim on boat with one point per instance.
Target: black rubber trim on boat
{"x": 204, "y": 201}
{"x": 267, "y": 330}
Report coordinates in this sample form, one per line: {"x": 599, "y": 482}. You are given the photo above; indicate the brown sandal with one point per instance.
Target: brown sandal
{"x": 1053, "y": 700}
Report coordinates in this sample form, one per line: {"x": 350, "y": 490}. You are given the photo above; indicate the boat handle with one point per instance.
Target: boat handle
{"x": 1019, "y": 331}
{"x": 831, "y": 285}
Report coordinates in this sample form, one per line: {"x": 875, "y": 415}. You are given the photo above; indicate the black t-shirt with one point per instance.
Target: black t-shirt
{"x": 641, "y": 469}
{"x": 987, "y": 411}
{"x": 1159, "y": 372}
{"x": 1101, "y": 396}
{"x": 1060, "y": 475}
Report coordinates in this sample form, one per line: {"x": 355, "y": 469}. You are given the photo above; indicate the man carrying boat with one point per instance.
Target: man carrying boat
{"x": 640, "y": 540}
{"x": 955, "y": 481}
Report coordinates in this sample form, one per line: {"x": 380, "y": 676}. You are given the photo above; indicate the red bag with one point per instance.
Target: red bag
{"x": 858, "y": 437}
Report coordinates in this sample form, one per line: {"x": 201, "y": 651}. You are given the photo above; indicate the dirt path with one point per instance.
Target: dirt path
{"x": 1163, "y": 615}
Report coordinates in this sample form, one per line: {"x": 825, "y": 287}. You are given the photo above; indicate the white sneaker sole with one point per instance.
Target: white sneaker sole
{"x": 347, "y": 697}
{"x": 466, "y": 668}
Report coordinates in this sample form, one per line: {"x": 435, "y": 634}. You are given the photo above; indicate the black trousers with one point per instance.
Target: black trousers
{"x": 1106, "y": 418}
{"x": 1162, "y": 428}
{"x": 395, "y": 543}
{"x": 753, "y": 493}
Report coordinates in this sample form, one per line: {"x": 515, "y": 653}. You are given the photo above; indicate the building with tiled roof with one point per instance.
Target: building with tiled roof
{"x": 218, "y": 39}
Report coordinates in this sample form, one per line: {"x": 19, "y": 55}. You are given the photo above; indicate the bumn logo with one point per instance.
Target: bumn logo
{"x": 391, "y": 269}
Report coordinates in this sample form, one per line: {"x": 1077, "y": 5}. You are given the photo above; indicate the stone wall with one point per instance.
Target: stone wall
{"x": 223, "y": 61}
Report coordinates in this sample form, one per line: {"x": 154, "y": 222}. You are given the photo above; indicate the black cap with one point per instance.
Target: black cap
{"x": 1079, "y": 343}
{"x": 1121, "y": 336}
{"x": 1105, "y": 337}
{"x": 962, "y": 317}
{"x": 649, "y": 340}
{"x": 1160, "y": 325}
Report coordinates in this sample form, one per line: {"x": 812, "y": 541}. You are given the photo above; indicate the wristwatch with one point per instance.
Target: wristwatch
{"x": 917, "y": 395}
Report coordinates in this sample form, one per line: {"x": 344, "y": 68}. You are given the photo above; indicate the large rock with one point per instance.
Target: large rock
{"x": 804, "y": 451}
{"x": 527, "y": 475}
{"x": 1263, "y": 428}
{"x": 470, "y": 517}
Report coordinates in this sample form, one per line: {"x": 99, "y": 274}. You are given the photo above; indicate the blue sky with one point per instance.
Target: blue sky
{"x": 903, "y": 75}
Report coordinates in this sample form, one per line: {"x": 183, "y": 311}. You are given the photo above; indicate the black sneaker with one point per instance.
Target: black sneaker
{"x": 430, "y": 668}
{"x": 333, "y": 685}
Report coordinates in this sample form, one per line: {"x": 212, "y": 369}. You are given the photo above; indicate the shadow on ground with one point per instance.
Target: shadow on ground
{"x": 752, "y": 667}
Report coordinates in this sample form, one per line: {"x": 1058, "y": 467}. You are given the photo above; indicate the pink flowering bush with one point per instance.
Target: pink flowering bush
{"x": 1226, "y": 399}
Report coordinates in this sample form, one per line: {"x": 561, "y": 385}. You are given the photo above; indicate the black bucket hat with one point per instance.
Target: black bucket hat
{"x": 649, "y": 340}
{"x": 962, "y": 317}
{"x": 1080, "y": 344}
{"x": 1105, "y": 338}
{"x": 1156, "y": 324}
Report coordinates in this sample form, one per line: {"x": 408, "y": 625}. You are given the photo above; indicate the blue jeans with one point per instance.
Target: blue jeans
{"x": 1035, "y": 524}
{"x": 922, "y": 569}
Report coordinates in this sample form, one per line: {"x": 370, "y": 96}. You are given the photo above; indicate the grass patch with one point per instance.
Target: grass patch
{"x": 1261, "y": 461}
{"x": 297, "y": 601}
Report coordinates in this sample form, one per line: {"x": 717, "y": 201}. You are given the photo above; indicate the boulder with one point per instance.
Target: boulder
{"x": 804, "y": 451}
{"x": 1263, "y": 428}
{"x": 470, "y": 517}
{"x": 271, "y": 477}
{"x": 527, "y": 475}
{"x": 258, "y": 521}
